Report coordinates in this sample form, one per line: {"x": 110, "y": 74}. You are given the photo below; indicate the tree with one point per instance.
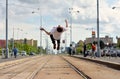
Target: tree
{"x": 25, "y": 47}
{"x": 79, "y": 48}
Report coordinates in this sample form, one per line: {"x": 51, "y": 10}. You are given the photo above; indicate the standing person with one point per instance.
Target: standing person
{"x": 84, "y": 50}
{"x": 93, "y": 50}
{"x": 55, "y": 34}
{"x": 15, "y": 50}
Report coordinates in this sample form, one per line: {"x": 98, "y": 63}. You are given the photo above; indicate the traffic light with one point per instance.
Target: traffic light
{"x": 93, "y": 33}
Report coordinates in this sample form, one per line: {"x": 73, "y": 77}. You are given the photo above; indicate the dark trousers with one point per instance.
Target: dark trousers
{"x": 84, "y": 52}
{"x": 53, "y": 40}
{"x": 15, "y": 54}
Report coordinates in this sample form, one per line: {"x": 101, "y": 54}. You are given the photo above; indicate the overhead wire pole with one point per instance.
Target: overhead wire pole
{"x": 98, "y": 38}
{"x": 71, "y": 20}
{"x": 70, "y": 25}
{"x": 7, "y": 53}
{"x": 13, "y": 39}
{"x": 40, "y": 13}
{"x": 40, "y": 30}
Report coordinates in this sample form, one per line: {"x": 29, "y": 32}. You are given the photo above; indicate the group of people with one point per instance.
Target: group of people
{"x": 92, "y": 53}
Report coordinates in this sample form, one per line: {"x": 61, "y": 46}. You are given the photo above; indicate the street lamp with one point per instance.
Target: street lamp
{"x": 7, "y": 50}
{"x": 71, "y": 11}
{"x": 40, "y": 12}
{"x": 115, "y": 7}
{"x": 98, "y": 38}
{"x": 18, "y": 30}
{"x": 116, "y": 36}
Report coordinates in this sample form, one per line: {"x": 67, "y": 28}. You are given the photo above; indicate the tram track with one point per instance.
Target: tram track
{"x": 17, "y": 71}
{"x": 32, "y": 76}
{"x": 51, "y": 68}
{"x": 77, "y": 70}
{"x": 55, "y": 67}
{"x": 9, "y": 64}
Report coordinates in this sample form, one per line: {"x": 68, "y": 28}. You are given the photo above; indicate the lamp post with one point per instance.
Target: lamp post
{"x": 40, "y": 12}
{"x": 18, "y": 30}
{"x": 13, "y": 39}
{"x": 114, "y": 7}
{"x": 7, "y": 50}
{"x": 71, "y": 11}
{"x": 98, "y": 38}
{"x": 117, "y": 38}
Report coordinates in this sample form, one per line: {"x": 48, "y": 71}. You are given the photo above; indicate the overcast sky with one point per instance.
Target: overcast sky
{"x": 54, "y": 12}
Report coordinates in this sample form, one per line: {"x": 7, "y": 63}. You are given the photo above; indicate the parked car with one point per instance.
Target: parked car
{"x": 31, "y": 53}
{"x": 109, "y": 52}
{"x": 113, "y": 53}
{"x": 118, "y": 53}
{"x": 106, "y": 52}
{"x": 23, "y": 53}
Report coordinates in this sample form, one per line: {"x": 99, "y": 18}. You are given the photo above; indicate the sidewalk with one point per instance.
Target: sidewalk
{"x": 107, "y": 59}
{"x": 112, "y": 62}
{"x": 11, "y": 58}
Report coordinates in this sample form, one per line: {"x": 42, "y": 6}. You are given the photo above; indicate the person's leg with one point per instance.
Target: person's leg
{"x": 92, "y": 54}
{"x": 58, "y": 44}
{"x": 53, "y": 41}
{"x": 15, "y": 54}
{"x": 84, "y": 52}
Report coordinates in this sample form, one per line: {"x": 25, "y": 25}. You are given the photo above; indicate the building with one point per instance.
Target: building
{"x": 118, "y": 41}
{"x": 25, "y": 41}
{"x": 2, "y": 43}
{"x": 21, "y": 41}
{"x": 107, "y": 40}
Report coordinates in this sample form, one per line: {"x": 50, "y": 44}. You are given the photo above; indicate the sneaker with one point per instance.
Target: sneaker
{"x": 54, "y": 46}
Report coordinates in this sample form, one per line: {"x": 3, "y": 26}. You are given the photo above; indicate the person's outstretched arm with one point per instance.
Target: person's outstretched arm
{"x": 66, "y": 23}
{"x": 45, "y": 31}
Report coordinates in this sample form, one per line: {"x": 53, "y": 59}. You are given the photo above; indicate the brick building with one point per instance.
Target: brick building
{"x": 106, "y": 40}
{"x": 2, "y": 43}
{"x": 26, "y": 41}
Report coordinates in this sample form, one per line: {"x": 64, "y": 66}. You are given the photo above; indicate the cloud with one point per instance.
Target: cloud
{"x": 54, "y": 12}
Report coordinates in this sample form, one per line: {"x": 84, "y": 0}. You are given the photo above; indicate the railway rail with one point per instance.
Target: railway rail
{"x": 55, "y": 67}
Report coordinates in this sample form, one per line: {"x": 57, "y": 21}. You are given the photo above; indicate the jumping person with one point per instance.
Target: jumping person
{"x": 55, "y": 34}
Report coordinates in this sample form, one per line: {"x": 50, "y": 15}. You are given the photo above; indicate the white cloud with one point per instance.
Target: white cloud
{"x": 55, "y": 11}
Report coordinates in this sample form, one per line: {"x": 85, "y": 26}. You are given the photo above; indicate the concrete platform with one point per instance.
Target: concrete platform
{"x": 112, "y": 62}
